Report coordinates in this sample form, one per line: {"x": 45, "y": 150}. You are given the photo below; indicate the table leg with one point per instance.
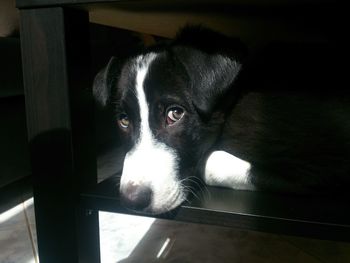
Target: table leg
{"x": 55, "y": 54}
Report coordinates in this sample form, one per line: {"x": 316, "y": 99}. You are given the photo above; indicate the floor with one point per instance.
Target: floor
{"x": 137, "y": 239}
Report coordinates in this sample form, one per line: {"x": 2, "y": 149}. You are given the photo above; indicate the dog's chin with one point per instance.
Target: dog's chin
{"x": 168, "y": 205}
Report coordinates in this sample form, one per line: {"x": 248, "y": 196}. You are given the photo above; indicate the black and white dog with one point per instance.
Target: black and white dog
{"x": 192, "y": 107}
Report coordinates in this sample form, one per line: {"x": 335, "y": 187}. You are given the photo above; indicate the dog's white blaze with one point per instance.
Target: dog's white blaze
{"x": 224, "y": 169}
{"x": 151, "y": 162}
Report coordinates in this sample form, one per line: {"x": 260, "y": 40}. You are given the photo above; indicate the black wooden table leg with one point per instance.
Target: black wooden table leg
{"x": 60, "y": 127}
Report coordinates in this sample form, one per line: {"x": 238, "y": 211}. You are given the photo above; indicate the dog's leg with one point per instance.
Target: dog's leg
{"x": 224, "y": 169}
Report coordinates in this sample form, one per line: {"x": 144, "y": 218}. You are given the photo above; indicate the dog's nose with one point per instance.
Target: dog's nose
{"x": 136, "y": 197}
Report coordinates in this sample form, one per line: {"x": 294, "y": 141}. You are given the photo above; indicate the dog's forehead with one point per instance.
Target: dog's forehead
{"x": 162, "y": 76}
{"x": 130, "y": 78}
{"x": 166, "y": 78}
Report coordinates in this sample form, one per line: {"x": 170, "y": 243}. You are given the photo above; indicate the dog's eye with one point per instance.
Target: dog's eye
{"x": 123, "y": 121}
{"x": 174, "y": 114}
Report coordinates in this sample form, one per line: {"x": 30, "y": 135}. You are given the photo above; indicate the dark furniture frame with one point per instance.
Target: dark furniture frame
{"x": 15, "y": 170}
{"x": 55, "y": 50}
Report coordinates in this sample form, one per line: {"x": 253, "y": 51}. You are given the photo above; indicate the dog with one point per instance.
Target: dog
{"x": 200, "y": 106}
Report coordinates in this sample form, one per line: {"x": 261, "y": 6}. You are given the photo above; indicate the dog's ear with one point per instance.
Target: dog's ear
{"x": 211, "y": 78}
{"x": 104, "y": 82}
{"x": 212, "y": 61}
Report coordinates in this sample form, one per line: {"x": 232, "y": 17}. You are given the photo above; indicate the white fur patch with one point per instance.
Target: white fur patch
{"x": 224, "y": 169}
{"x": 150, "y": 162}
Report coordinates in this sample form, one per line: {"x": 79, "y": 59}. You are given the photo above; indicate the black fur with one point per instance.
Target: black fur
{"x": 292, "y": 119}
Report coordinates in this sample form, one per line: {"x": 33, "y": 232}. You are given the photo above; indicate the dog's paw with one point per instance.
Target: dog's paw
{"x": 224, "y": 169}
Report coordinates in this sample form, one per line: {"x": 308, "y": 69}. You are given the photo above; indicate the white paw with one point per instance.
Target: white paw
{"x": 224, "y": 169}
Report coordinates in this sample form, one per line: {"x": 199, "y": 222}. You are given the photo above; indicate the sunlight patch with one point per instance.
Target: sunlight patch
{"x": 120, "y": 234}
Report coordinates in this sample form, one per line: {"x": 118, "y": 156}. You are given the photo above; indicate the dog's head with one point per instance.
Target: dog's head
{"x": 170, "y": 105}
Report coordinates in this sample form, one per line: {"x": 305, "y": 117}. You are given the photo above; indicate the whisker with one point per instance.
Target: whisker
{"x": 199, "y": 184}
{"x": 188, "y": 189}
